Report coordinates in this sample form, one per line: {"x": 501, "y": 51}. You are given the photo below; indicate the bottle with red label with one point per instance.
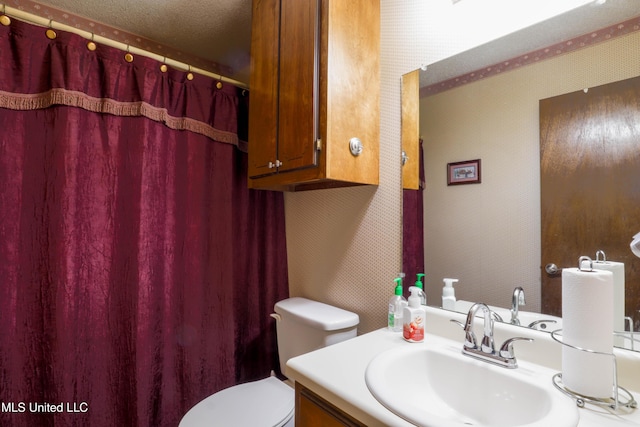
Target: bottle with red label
{"x": 413, "y": 318}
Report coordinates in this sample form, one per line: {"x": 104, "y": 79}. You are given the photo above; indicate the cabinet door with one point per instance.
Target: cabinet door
{"x": 410, "y": 127}
{"x": 263, "y": 106}
{"x": 314, "y": 411}
{"x": 298, "y": 100}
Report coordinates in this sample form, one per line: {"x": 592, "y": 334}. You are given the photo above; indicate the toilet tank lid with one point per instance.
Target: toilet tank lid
{"x": 316, "y": 314}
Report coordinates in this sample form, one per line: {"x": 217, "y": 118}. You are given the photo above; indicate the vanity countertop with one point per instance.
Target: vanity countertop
{"x": 337, "y": 374}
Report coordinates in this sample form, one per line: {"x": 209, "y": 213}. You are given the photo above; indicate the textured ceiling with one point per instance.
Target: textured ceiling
{"x": 216, "y": 35}
{"x": 212, "y": 35}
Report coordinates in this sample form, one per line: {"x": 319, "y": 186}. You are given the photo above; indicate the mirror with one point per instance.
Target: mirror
{"x": 488, "y": 236}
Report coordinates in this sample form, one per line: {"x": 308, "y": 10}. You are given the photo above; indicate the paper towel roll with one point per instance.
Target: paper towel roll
{"x": 587, "y": 322}
{"x": 617, "y": 268}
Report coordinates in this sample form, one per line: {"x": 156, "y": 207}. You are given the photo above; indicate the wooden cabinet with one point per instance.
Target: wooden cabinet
{"x": 315, "y": 86}
{"x": 314, "y": 411}
{"x": 410, "y": 119}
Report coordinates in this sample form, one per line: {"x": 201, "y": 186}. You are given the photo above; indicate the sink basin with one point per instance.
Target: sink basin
{"x": 435, "y": 385}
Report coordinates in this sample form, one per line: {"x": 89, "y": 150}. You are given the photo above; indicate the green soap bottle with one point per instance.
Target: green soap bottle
{"x": 420, "y": 285}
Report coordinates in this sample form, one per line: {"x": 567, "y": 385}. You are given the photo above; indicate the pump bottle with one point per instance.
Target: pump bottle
{"x": 396, "y": 305}
{"x": 420, "y": 285}
{"x": 449, "y": 294}
{"x": 414, "y": 317}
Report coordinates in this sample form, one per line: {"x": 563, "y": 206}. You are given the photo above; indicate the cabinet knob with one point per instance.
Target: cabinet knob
{"x": 355, "y": 145}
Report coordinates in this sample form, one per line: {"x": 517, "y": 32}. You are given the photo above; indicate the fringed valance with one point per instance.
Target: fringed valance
{"x": 37, "y": 72}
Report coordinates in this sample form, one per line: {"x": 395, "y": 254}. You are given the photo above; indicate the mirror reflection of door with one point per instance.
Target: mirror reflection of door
{"x": 590, "y": 184}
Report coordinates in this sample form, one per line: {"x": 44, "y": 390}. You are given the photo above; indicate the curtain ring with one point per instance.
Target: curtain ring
{"x": 219, "y": 84}
{"x": 91, "y": 45}
{"x": 164, "y": 67}
{"x": 4, "y": 19}
{"x": 128, "y": 56}
{"x": 189, "y": 74}
{"x": 50, "y": 33}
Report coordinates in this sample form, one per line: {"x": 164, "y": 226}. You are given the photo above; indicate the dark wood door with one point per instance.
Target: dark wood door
{"x": 590, "y": 183}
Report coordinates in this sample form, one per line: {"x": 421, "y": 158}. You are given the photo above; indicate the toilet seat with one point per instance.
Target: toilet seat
{"x": 267, "y": 402}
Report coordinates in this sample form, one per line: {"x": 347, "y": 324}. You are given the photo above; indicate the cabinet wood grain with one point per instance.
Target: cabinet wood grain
{"x": 315, "y": 85}
{"x": 314, "y": 411}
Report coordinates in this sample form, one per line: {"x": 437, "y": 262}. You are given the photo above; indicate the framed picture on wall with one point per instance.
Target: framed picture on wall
{"x": 467, "y": 172}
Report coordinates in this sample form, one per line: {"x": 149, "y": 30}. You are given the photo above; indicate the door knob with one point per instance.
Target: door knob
{"x": 552, "y": 269}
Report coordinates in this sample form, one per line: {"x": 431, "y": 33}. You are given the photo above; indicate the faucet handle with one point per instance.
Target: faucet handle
{"x": 496, "y": 317}
{"x": 469, "y": 338}
{"x": 459, "y": 323}
{"x": 506, "y": 350}
{"x": 540, "y": 324}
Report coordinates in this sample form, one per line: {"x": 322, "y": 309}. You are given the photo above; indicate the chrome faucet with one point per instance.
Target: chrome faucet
{"x": 516, "y": 301}
{"x": 486, "y": 350}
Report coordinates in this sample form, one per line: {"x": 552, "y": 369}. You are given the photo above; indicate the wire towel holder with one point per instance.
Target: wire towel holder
{"x": 613, "y": 402}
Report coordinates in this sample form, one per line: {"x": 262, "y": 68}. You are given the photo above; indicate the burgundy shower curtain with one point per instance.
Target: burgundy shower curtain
{"x": 413, "y": 229}
{"x": 137, "y": 271}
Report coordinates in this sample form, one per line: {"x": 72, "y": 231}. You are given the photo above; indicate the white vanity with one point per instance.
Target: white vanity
{"x": 334, "y": 379}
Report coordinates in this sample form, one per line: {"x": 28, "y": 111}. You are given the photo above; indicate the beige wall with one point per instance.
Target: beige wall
{"x": 488, "y": 235}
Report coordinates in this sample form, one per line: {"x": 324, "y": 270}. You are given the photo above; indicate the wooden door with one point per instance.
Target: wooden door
{"x": 590, "y": 183}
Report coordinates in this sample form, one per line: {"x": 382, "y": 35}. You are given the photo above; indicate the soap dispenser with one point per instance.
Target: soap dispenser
{"x": 420, "y": 285}
{"x": 397, "y": 303}
{"x": 414, "y": 316}
{"x": 449, "y": 294}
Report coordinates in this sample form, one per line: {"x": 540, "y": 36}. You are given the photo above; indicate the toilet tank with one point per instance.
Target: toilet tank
{"x": 303, "y": 325}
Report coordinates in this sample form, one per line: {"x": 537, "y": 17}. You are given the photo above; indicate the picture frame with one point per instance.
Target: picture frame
{"x": 466, "y": 172}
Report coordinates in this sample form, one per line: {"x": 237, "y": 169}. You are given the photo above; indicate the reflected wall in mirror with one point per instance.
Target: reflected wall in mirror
{"x": 489, "y": 235}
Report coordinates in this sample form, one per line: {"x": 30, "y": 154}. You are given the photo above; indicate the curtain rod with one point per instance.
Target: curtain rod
{"x": 46, "y": 23}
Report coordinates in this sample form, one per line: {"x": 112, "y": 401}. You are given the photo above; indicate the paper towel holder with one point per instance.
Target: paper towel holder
{"x": 604, "y": 256}
{"x": 584, "y": 259}
{"x": 612, "y": 402}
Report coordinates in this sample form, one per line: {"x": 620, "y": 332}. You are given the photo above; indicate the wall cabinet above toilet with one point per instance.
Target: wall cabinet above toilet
{"x": 314, "y": 114}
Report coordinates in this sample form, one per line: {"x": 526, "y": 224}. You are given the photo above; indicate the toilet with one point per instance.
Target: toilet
{"x": 302, "y": 325}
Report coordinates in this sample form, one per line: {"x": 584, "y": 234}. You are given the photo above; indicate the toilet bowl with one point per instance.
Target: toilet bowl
{"x": 302, "y": 325}
{"x": 266, "y": 402}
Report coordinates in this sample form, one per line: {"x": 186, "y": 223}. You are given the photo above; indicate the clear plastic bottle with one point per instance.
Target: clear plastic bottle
{"x": 397, "y": 303}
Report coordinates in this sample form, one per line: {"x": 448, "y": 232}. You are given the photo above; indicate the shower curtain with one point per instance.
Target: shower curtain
{"x": 137, "y": 271}
{"x": 413, "y": 229}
